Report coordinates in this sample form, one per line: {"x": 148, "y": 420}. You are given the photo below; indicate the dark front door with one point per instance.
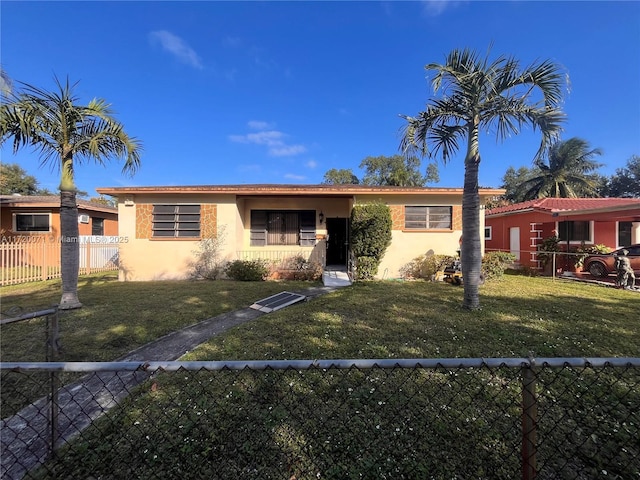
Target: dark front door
{"x": 338, "y": 241}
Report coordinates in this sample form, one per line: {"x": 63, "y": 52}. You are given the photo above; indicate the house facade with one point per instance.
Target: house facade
{"x": 40, "y": 216}
{"x": 160, "y": 227}
{"x": 521, "y": 227}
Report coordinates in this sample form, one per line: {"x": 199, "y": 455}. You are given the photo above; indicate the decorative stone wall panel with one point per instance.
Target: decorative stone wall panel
{"x": 144, "y": 220}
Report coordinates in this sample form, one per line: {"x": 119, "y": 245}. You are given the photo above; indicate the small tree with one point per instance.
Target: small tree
{"x": 370, "y": 237}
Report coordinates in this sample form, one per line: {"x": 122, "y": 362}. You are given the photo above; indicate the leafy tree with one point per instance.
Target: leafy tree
{"x": 66, "y": 134}
{"x": 342, "y": 176}
{"x": 479, "y": 95}
{"x": 568, "y": 171}
{"x": 102, "y": 200}
{"x": 396, "y": 171}
{"x": 433, "y": 175}
{"x": 512, "y": 182}
{"x": 15, "y": 179}
{"x": 626, "y": 181}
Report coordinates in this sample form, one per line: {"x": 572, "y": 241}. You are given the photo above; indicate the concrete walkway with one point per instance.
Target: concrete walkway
{"x": 25, "y": 437}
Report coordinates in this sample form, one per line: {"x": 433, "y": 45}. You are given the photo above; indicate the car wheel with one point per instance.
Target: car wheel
{"x": 597, "y": 269}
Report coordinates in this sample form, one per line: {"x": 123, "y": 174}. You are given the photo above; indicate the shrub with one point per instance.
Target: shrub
{"x": 247, "y": 270}
{"x": 426, "y": 266}
{"x": 208, "y": 263}
{"x": 370, "y": 237}
{"x": 366, "y": 268}
{"x": 583, "y": 251}
{"x": 547, "y": 248}
{"x": 495, "y": 263}
{"x": 298, "y": 268}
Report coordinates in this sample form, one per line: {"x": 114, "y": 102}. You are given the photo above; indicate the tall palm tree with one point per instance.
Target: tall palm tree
{"x": 568, "y": 171}
{"x": 479, "y": 95}
{"x": 67, "y": 134}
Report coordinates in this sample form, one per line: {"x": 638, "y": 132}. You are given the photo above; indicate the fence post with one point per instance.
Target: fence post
{"x": 529, "y": 421}
{"x": 52, "y": 353}
{"x": 88, "y": 257}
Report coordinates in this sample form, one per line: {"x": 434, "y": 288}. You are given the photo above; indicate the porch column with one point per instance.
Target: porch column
{"x": 635, "y": 232}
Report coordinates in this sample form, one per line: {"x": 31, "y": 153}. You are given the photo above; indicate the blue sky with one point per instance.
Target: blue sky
{"x": 281, "y": 92}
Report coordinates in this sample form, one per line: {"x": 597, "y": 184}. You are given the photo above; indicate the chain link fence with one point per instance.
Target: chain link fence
{"x": 547, "y": 418}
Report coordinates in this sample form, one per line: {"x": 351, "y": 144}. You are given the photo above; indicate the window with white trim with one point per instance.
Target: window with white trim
{"x": 487, "y": 232}
{"x": 177, "y": 221}
{"x": 283, "y": 227}
{"x": 574, "y": 231}
{"x": 427, "y": 218}
{"x": 32, "y": 222}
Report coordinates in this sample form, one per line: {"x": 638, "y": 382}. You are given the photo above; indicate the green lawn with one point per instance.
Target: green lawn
{"x": 370, "y": 320}
{"x": 354, "y": 423}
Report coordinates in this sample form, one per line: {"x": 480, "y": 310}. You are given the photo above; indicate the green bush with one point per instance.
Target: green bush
{"x": 547, "y": 248}
{"x": 426, "y": 266}
{"x": 583, "y": 251}
{"x": 247, "y": 270}
{"x": 495, "y": 263}
{"x": 370, "y": 237}
{"x": 299, "y": 268}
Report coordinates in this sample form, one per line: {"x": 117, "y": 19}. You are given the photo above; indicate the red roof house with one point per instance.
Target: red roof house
{"x": 521, "y": 227}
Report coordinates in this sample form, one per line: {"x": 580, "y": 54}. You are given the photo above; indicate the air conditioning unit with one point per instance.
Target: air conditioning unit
{"x": 83, "y": 218}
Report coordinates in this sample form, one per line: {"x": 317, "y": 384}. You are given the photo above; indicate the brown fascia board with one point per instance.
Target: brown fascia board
{"x": 253, "y": 190}
{"x": 50, "y": 201}
{"x": 588, "y": 211}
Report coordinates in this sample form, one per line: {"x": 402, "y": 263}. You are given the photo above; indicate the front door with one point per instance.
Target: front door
{"x": 514, "y": 242}
{"x": 338, "y": 241}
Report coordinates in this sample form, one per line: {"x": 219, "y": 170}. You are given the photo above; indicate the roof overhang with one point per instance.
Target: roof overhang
{"x": 289, "y": 190}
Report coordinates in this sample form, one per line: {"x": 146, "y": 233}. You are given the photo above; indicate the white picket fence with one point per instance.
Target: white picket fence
{"x": 35, "y": 258}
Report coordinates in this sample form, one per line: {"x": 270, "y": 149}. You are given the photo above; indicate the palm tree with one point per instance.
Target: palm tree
{"x": 65, "y": 134}
{"x": 568, "y": 172}
{"x": 479, "y": 95}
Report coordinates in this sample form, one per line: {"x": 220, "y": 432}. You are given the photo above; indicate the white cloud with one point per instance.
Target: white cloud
{"x": 177, "y": 47}
{"x": 259, "y": 125}
{"x": 434, "y": 8}
{"x": 293, "y": 176}
{"x": 312, "y": 164}
{"x": 272, "y": 139}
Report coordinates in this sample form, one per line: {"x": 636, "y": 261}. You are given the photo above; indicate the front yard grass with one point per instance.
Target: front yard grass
{"x": 357, "y": 423}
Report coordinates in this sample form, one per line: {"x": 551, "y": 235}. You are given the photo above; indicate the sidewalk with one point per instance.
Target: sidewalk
{"x": 24, "y": 437}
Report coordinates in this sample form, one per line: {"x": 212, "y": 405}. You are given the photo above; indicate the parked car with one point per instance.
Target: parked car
{"x": 602, "y": 265}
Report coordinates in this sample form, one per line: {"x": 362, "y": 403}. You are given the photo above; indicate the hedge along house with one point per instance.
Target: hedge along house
{"x": 161, "y": 226}
{"x": 521, "y": 227}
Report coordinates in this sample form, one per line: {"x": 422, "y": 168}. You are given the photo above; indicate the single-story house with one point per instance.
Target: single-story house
{"x": 521, "y": 227}
{"x": 30, "y": 231}
{"x": 160, "y": 227}
{"x": 26, "y": 215}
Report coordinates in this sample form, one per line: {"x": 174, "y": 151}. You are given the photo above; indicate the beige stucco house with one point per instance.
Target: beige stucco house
{"x": 160, "y": 227}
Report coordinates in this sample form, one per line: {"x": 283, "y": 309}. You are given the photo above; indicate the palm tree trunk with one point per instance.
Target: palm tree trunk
{"x": 69, "y": 250}
{"x": 471, "y": 248}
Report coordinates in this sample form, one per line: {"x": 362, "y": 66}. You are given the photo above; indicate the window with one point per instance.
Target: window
{"x": 287, "y": 227}
{"x": 181, "y": 221}
{"x": 487, "y": 233}
{"x": 97, "y": 226}
{"x": 574, "y": 231}
{"x": 624, "y": 233}
{"x": 427, "y": 218}
{"x": 32, "y": 222}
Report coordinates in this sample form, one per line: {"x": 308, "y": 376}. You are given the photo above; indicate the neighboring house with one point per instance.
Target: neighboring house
{"x": 40, "y": 215}
{"x": 521, "y": 227}
{"x": 160, "y": 227}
